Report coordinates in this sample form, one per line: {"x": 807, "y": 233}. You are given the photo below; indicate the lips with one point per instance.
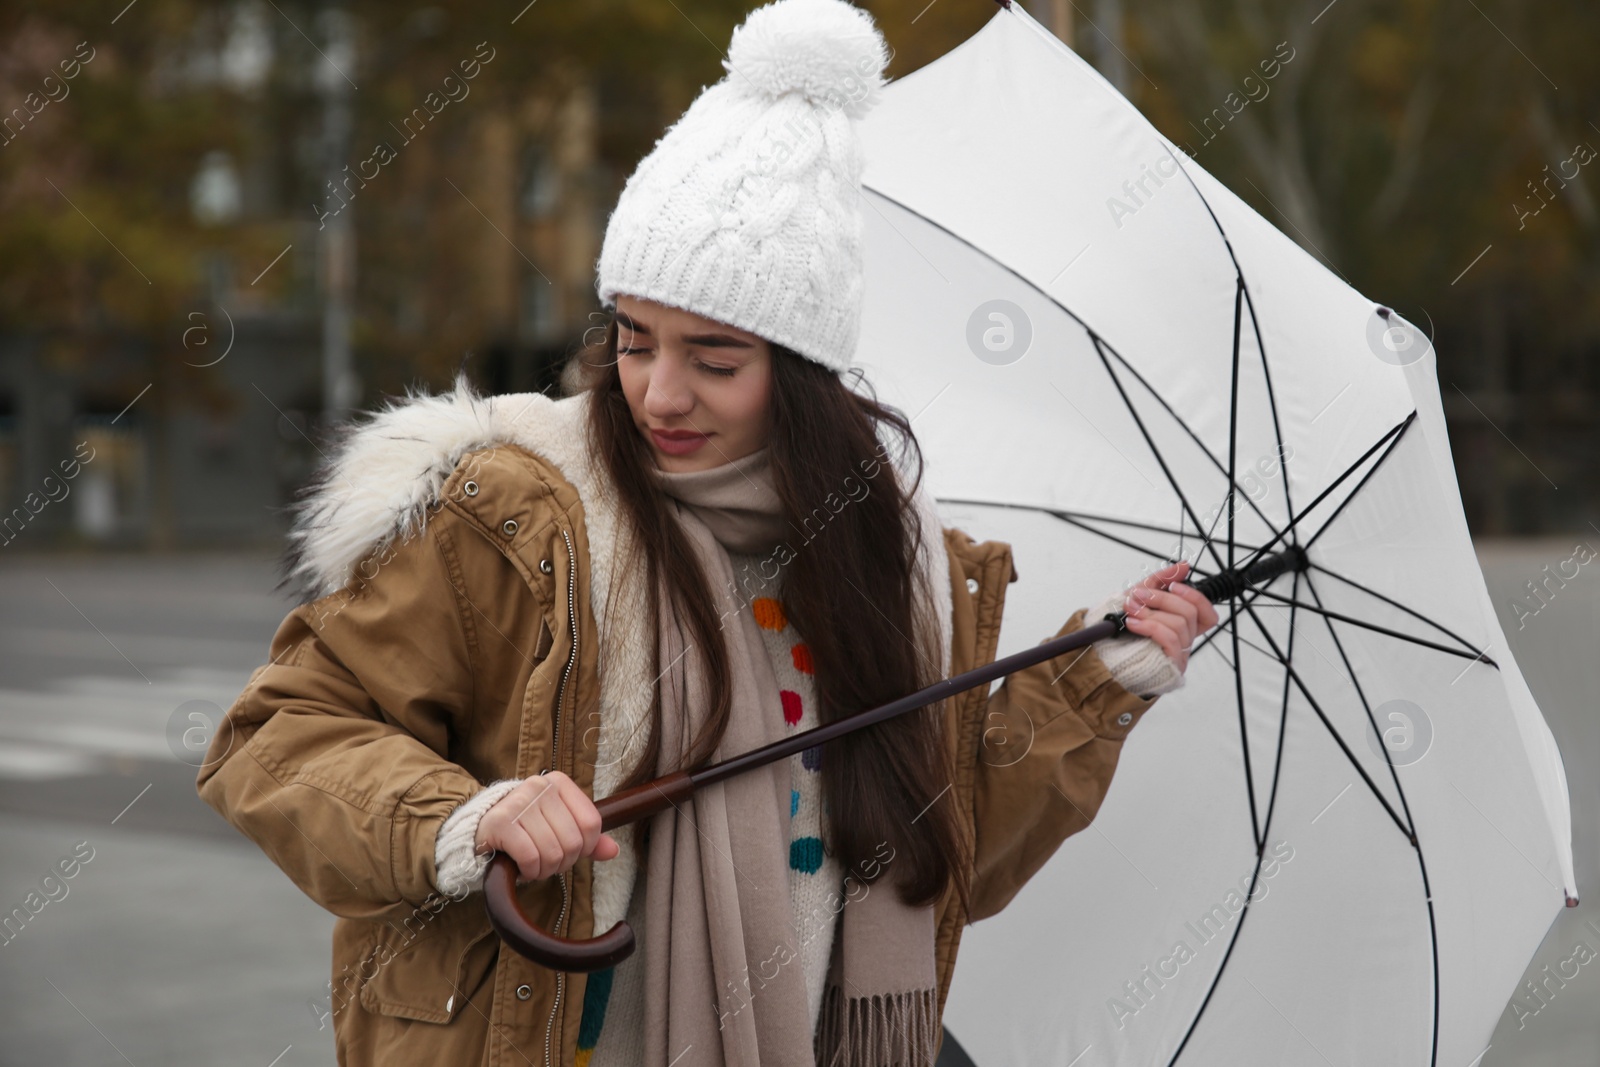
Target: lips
{"x": 678, "y": 442}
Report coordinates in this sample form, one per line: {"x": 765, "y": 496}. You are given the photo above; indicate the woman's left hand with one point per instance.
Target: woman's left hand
{"x": 1171, "y": 612}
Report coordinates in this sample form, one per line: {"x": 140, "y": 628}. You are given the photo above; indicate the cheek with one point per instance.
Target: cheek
{"x": 633, "y": 382}
{"x": 754, "y": 396}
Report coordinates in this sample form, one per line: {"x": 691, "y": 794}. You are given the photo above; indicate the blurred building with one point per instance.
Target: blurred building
{"x": 475, "y": 247}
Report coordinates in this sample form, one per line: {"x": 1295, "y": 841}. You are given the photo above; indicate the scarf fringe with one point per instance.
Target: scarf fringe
{"x": 883, "y": 1030}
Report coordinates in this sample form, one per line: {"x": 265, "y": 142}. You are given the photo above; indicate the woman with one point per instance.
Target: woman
{"x": 513, "y": 605}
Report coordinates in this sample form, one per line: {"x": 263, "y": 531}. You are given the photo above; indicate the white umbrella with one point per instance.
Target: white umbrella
{"x": 1091, "y": 333}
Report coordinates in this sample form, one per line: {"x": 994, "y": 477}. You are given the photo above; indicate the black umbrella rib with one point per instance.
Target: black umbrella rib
{"x": 1334, "y": 733}
{"x": 1256, "y": 829}
{"x": 1233, "y": 434}
{"x": 1283, "y": 725}
{"x": 1365, "y": 705}
{"x": 1067, "y": 517}
{"x": 1184, "y": 426}
{"x": 1222, "y": 965}
{"x": 1395, "y": 603}
{"x": 1085, "y": 516}
{"x": 1089, "y": 517}
{"x": 1404, "y": 426}
{"x": 1422, "y": 865}
{"x": 1064, "y": 516}
{"x": 1391, "y": 436}
{"x": 1099, "y": 347}
{"x": 1255, "y": 322}
{"x": 1276, "y": 654}
{"x": 1266, "y": 373}
{"x": 1100, "y": 343}
{"x": 1244, "y": 733}
{"x": 1471, "y": 653}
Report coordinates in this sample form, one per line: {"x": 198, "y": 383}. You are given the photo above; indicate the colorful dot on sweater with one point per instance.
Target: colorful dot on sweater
{"x": 805, "y": 854}
{"x": 791, "y": 706}
{"x": 801, "y": 654}
{"x": 769, "y": 613}
{"x": 596, "y": 995}
{"x": 811, "y": 758}
{"x": 794, "y": 802}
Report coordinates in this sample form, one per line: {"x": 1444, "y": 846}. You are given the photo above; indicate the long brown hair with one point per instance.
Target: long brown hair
{"x": 848, "y": 590}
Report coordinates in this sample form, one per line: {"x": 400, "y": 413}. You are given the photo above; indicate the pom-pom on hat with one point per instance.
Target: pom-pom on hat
{"x": 748, "y": 209}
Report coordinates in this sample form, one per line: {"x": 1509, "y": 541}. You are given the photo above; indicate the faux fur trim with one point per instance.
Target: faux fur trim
{"x": 386, "y": 467}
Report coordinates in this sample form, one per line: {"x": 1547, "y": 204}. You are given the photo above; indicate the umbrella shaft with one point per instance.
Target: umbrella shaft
{"x": 1228, "y": 584}
{"x": 630, "y": 805}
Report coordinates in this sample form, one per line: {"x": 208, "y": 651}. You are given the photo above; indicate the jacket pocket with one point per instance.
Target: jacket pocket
{"x": 541, "y": 646}
{"x": 427, "y": 965}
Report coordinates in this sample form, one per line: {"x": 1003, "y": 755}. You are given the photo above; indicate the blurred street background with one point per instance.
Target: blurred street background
{"x": 227, "y": 226}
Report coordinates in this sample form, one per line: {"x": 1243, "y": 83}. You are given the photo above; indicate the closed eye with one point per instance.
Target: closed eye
{"x": 722, "y": 372}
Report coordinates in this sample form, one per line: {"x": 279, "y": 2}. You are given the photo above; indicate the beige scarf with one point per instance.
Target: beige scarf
{"x": 723, "y": 980}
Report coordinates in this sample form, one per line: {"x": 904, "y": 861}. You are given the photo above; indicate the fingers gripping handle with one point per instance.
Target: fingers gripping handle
{"x": 1226, "y": 585}
{"x": 512, "y": 923}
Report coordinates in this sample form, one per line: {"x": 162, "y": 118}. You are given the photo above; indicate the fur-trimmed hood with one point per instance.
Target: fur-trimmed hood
{"x": 385, "y": 467}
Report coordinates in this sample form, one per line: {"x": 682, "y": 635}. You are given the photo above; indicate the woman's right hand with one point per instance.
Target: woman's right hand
{"x": 546, "y": 825}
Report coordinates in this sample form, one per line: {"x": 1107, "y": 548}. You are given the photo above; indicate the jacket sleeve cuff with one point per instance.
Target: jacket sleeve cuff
{"x": 460, "y": 869}
{"x": 1135, "y": 661}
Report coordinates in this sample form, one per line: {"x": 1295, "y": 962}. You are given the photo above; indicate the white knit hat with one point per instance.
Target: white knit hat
{"x": 748, "y": 209}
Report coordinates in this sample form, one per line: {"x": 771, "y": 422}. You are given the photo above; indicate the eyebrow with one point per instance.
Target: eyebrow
{"x": 705, "y": 340}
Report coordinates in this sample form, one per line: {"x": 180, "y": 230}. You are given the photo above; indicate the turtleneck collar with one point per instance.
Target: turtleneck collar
{"x": 737, "y": 501}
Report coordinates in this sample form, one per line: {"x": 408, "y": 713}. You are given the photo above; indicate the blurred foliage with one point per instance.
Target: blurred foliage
{"x": 1413, "y": 145}
{"x": 1402, "y": 140}
{"x": 1440, "y": 158}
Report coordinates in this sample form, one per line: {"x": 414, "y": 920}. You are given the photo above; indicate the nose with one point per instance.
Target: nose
{"x": 669, "y": 394}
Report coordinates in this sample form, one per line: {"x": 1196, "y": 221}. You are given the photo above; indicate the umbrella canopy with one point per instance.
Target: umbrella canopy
{"x": 1344, "y": 838}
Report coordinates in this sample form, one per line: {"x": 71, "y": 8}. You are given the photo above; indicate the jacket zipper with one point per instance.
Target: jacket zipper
{"x": 555, "y": 748}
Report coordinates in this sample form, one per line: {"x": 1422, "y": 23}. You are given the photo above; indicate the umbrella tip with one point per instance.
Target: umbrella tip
{"x": 1004, "y": 3}
{"x": 1572, "y": 902}
{"x": 1384, "y": 312}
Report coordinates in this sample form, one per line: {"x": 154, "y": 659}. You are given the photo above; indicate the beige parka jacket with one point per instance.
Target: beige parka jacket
{"x": 448, "y": 639}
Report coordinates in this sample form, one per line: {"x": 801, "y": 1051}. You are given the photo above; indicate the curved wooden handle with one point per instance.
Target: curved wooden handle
{"x": 568, "y": 954}
{"x": 548, "y": 950}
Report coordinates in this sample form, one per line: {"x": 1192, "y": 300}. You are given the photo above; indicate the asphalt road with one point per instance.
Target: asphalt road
{"x": 177, "y": 943}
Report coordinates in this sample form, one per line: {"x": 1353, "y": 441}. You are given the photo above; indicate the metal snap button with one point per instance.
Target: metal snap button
{"x": 509, "y": 527}
{"x": 1125, "y": 718}
{"x": 470, "y": 488}
{"x": 972, "y": 585}
{"x": 524, "y": 992}
{"x": 545, "y": 566}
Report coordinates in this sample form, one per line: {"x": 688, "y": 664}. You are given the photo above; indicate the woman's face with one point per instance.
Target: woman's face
{"x": 698, "y": 388}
